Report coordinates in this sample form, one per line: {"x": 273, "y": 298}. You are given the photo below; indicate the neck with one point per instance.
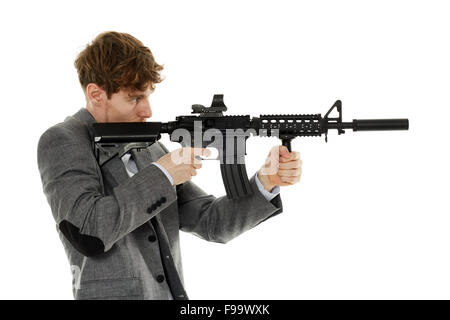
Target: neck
{"x": 99, "y": 117}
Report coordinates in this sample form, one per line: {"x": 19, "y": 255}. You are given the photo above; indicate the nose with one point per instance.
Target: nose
{"x": 145, "y": 110}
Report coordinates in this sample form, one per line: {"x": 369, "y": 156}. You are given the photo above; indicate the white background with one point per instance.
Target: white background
{"x": 370, "y": 217}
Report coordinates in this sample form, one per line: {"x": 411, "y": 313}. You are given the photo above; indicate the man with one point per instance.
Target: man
{"x": 120, "y": 223}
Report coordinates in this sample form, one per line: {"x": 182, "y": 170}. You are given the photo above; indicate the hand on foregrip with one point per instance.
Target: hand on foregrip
{"x": 281, "y": 168}
{"x": 182, "y": 164}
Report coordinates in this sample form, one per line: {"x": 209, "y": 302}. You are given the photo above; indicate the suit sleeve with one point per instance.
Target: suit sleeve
{"x": 222, "y": 219}
{"x": 72, "y": 182}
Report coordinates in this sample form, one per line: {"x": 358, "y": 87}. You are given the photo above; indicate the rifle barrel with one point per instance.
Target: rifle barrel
{"x": 372, "y": 124}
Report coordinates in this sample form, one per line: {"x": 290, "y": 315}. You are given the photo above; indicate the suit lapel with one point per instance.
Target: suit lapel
{"x": 142, "y": 158}
{"x": 114, "y": 170}
{"x": 146, "y": 156}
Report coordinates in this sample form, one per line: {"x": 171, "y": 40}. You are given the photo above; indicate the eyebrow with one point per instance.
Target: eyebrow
{"x": 136, "y": 95}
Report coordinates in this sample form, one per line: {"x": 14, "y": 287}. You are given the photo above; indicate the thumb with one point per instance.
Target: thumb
{"x": 284, "y": 152}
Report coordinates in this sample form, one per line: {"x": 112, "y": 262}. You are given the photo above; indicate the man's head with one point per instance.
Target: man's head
{"x": 117, "y": 74}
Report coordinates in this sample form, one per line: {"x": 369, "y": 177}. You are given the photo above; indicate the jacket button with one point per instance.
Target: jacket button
{"x": 152, "y": 238}
{"x": 160, "y": 278}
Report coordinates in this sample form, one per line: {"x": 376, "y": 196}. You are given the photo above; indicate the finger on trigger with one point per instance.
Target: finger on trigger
{"x": 206, "y": 152}
{"x": 196, "y": 155}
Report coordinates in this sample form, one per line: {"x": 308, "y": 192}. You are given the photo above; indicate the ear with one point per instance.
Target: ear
{"x": 95, "y": 95}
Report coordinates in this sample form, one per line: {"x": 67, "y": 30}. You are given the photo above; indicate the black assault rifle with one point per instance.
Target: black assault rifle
{"x": 227, "y": 134}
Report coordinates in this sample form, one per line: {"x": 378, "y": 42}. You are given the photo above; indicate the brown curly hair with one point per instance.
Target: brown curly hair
{"x": 117, "y": 61}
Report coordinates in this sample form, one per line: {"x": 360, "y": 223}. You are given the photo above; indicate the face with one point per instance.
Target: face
{"x": 123, "y": 106}
{"x": 126, "y": 106}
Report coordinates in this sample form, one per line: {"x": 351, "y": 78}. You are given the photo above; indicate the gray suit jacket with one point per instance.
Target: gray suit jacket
{"x": 103, "y": 216}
